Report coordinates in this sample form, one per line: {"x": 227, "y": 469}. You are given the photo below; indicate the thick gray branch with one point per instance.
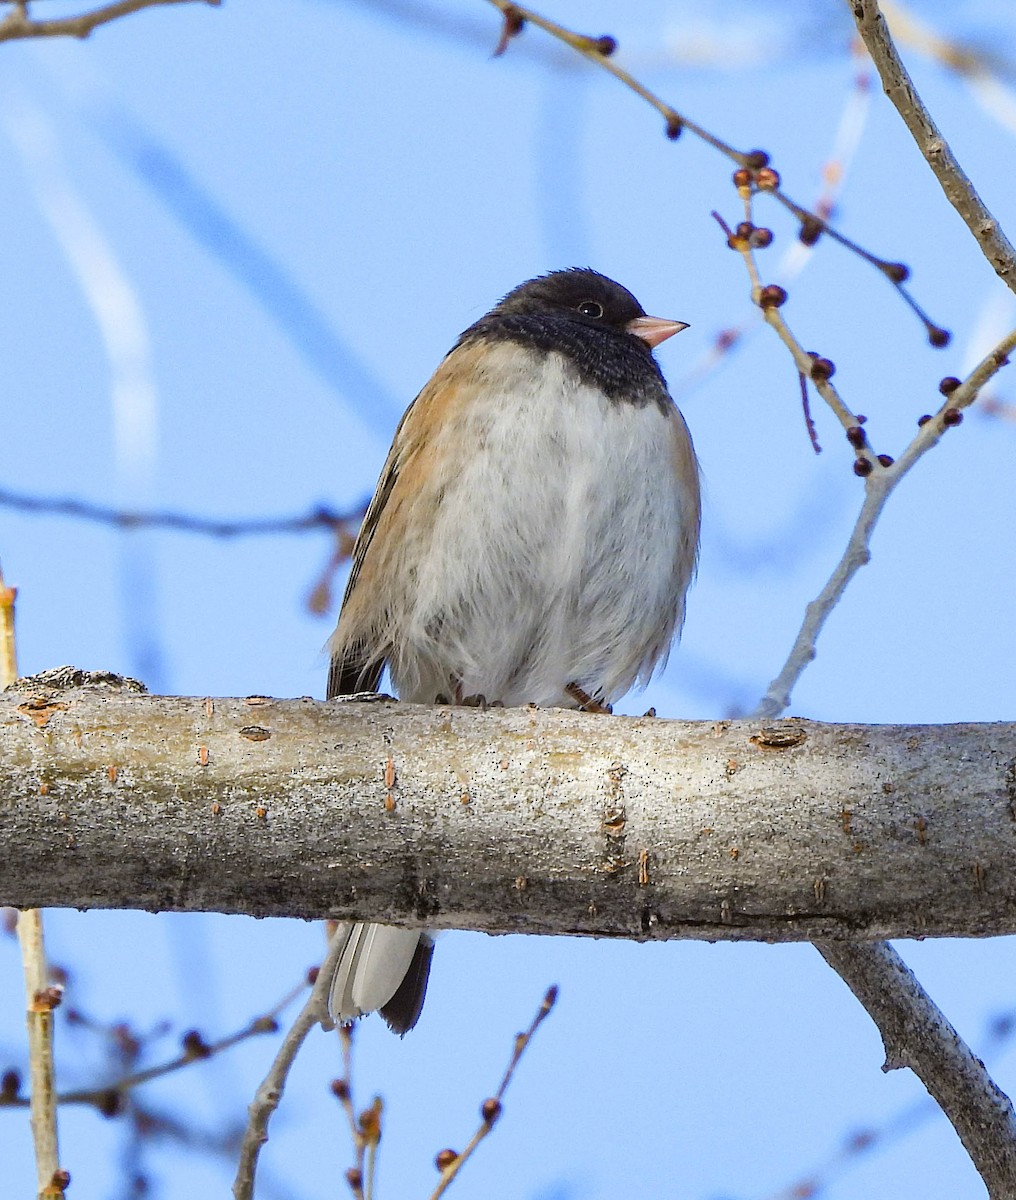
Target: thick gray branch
{"x": 510, "y": 820}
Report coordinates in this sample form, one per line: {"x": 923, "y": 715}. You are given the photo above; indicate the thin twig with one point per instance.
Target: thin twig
{"x": 269, "y": 1094}
{"x": 917, "y": 1035}
{"x": 18, "y": 24}
{"x": 599, "y": 51}
{"x": 449, "y": 1163}
{"x": 320, "y": 517}
{"x": 40, "y": 1000}
{"x": 195, "y": 1050}
{"x": 879, "y": 485}
{"x": 8, "y": 641}
{"x": 797, "y": 256}
{"x": 343, "y": 1090}
{"x": 804, "y": 361}
{"x": 959, "y": 190}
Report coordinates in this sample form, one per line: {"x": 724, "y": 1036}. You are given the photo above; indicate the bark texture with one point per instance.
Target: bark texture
{"x": 513, "y": 820}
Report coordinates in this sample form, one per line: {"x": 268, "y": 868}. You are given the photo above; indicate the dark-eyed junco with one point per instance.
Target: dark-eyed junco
{"x": 531, "y": 540}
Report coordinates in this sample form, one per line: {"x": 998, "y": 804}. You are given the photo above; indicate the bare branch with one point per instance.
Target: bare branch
{"x": 600, "y": 51}
{"x": 40, "y": 1002}
{"x": 450, "y": 1162}
{"x": 18, "y": 24}
{"x": 269, "y": 1094}
{"x": 918, "y": 1036}
{"x": 40, "y": 999}
{"x": 8, "y": 641}
{"x": 880, "y": 483}
{"x": 959, "y": 190}
{"x": 195, "y": 1049}
{"x": 320, "y": 517}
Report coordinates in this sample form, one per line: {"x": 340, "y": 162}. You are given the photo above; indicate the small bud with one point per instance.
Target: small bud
{"x": 862, "y": 467}
{"x": 265, "y": 1025}
{"x": 110, "y": 1103}
{"x": 514, "y": 23}
{"x": 948, "y": 385}
{"x": 490, "y": 1110}
{"x": 340, "y": 1089}
{"x": 742, "y": 177}
{"x": 860, "y": 419}
{"x": 370, "y": 1122}
{"x": 10, "y": 1085}
{"x": 924, "y": 420}
{"x": 863, "y": 1139}
{"x": 898, "y": 272}
{"x": 674, "y": 126}
{"x": 810, "y": 231}
{"x": 761, "y": 238}
{"x": 952, "y": 416}
{"x": 767, "y": 180}
{"x": 744, "y": 230}
{"x": 60, "y": 1179}
{"x": 194, "y": 1045}
{"x": 856, "y": 436}
{"x": 46, "y": 999}
{"x": 822, "y": 368}
{"x": 756, "y": 159}
{"x": 444, "y": 1159}
{"x": 939, "y": 337}
{"x": 312, "y": 974}
{"x": 1002, "y": 1025}
{"x": 126, "y": 1041}
{"x": 605, "y": 45}
{"x": 772, "y": 296}
{"x": 886, "y": 460}
{"x": 354, "y": 1177}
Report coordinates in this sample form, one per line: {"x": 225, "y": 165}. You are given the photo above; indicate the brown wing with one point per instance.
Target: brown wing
{"x": 351, "y": 669}
{"x": 686, "y": 469}
{"x": 409, "y": 479}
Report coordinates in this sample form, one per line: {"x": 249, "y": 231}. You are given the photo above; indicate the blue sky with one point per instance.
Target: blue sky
{"x": 238, "y": 242}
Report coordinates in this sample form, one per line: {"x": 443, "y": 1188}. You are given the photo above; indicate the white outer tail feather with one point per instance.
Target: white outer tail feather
{"x": 373, "y": 963}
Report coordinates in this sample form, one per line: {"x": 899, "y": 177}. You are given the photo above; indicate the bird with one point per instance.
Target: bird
{"x": 531, "y": 539}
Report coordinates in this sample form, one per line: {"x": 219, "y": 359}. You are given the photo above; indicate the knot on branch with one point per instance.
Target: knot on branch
{"x": 60, "y": 679}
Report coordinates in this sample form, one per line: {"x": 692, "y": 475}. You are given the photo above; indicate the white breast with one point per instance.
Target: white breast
{"x": 563, "y": 545}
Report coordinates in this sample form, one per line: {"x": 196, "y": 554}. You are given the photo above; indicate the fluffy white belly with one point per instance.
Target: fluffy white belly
{"x": 562, "y": 545}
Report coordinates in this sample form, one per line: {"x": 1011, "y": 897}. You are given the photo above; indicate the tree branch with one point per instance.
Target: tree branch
{"x": 879, "y": 484}
{"x": 959, "y": 190}
{"x": 917, "y": 1035}
{"x": 18, "y": 24}
{"x": 319, "y": 517}
{"x": 513, "y": 820}
{"x": 269, "y": 1094}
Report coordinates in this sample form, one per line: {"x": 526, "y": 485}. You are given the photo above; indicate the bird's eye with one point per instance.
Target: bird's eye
{"x": 589, "y": 308}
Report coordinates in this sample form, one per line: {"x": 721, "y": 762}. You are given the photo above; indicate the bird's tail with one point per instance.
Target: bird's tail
{"x": 381, "y": 969}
